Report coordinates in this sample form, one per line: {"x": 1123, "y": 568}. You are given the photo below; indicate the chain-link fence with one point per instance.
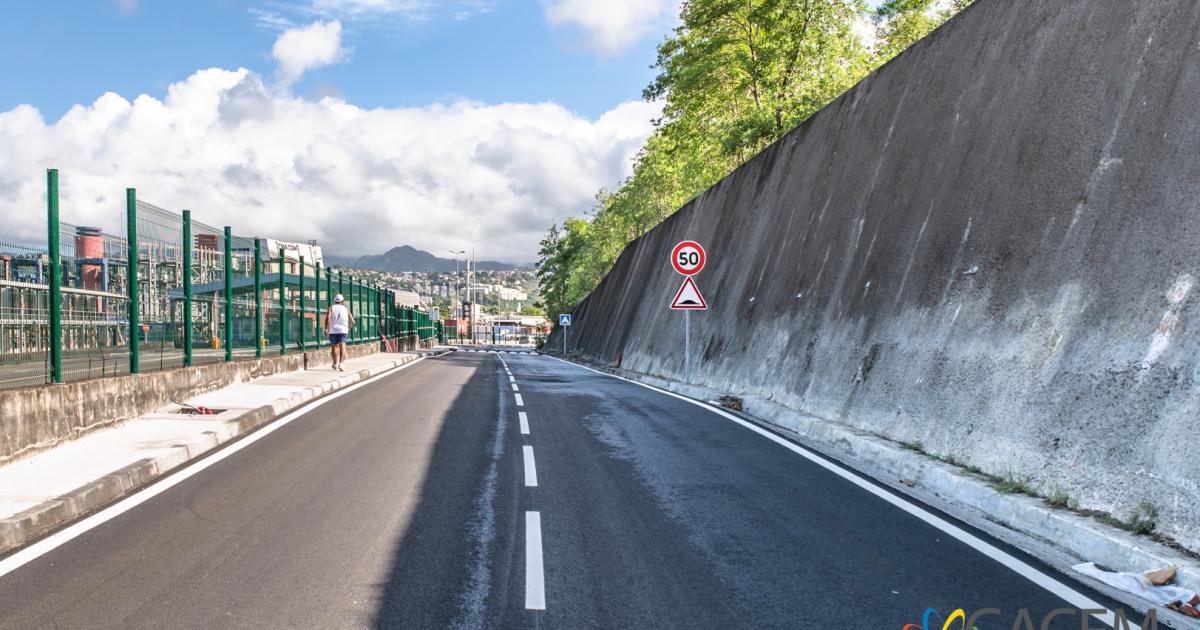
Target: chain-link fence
{"x": 94, "y": 302}
{"x": 24, "y": 314}
{"x": 169, "y": 292}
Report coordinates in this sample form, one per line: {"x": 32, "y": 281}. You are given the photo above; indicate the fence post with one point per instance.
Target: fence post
{"x": 258, "y": 305}
{"x": 135, "y": 324}
{"x": 352, "y": 297}
{"x": 341, "y": 290}
{"x": 303, "y": 315}
{"x": 228, "y": 294}
{"x": 328, "y": 291}
{"x": 187, "y": 288}
{"x": 56, "y": 375}
{"x": 317, "y": 303}
{"x": 282, "y": 306}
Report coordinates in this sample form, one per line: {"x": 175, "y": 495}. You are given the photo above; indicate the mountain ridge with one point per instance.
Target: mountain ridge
{"x": 408, "y": 258}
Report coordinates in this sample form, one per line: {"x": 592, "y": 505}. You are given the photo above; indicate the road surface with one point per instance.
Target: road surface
{"x": 452, "y": 495}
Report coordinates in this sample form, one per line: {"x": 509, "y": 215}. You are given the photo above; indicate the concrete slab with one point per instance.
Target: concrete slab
{"x": 55, "y": 486}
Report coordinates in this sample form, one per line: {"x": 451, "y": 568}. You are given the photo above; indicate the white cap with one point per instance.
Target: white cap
{"x": 338, "y": 298}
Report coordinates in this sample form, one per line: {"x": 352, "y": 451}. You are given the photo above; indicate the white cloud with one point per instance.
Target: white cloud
{"x": 610, "y": 25}
{"x": 298, "y": 50}
{"x": 369, "y": 6}
{"x": 275, "y": 15}
{"x": 866, "y": 31}
{"x": 360, "y": 180}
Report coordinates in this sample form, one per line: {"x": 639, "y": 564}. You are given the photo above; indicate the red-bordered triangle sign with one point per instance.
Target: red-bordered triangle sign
{"x": 688, "y": 297}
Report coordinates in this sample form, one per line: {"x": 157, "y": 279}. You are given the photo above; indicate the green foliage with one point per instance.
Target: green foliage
{"x": 900, "y": 23}
{"x": 532, "y": 310}
{"x": 734, "y": 77}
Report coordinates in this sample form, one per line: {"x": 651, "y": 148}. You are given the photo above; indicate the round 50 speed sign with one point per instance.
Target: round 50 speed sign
{"x": 688, "y": 258}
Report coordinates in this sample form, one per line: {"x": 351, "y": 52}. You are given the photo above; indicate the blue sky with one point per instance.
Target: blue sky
{"x": 508, "y": 53}
{"x": 363, "y": 124}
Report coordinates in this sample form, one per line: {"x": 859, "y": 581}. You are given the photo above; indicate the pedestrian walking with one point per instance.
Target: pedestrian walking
{"x": 338, "y": 321}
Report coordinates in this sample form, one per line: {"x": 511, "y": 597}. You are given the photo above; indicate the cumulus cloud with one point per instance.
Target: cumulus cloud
{"x": 239, "y": 153}
{"x": 612, "y": 25}
{"x": 369, "y": 6}
{"x": 298, "y": 50}
{"x": 368, "y": 13}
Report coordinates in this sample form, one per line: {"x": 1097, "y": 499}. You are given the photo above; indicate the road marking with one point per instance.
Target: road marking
{"x": 524, "y": 422}
{"x": 520, "y": 401}
{"x": 530, "y": 467}
{"x": 514, "y": 386}
{"x": 1018, "y": 566}
{"x": 535, "y": 581}
{"x": 54, "y": 541}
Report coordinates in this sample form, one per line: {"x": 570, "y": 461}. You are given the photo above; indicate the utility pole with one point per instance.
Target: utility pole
{"x": 457, "y": 285}
{"x": 471, "y": 296}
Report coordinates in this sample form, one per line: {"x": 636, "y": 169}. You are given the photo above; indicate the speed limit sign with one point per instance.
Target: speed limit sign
{"x": 688, "y": 258}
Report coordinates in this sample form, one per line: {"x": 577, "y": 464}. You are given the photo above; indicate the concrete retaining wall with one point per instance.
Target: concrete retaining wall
{"x": 990, "y": 246}
{"x": 36, "y": 418}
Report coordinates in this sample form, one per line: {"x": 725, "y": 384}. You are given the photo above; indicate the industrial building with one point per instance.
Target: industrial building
{"x": 95, "y": 297}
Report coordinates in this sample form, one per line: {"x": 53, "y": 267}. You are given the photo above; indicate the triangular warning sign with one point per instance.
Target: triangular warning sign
{"x": 688, "y": 297}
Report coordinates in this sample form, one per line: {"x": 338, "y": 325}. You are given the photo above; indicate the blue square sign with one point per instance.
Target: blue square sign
{"x": 564, "y": 319}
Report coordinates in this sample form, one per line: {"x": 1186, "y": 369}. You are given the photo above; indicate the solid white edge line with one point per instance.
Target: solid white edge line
{"x": 1020, "y": 567}
{"x": 520, "y": 401}
{"x": 530, "y": 467}
{"x": 535, "y": 581}
{"x": 171, "y": 479}
{"x": 524, "y": 422}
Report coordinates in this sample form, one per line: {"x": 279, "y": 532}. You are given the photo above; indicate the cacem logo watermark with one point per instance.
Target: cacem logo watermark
{"x": 1022, "y": 619}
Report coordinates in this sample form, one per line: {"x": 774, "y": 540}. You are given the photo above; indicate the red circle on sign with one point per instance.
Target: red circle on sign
{"x": 688, "y": 258}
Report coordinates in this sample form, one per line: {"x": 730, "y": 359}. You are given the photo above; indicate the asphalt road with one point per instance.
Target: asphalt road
{"x": 408, "y": 504}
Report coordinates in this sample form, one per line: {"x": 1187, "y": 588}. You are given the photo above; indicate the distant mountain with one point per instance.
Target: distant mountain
{"x": 406, "y": 258}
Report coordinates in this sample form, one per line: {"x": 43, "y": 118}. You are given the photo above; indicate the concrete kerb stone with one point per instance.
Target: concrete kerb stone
{"x": 1080, "y": 537}
{"x": 21, "y": 529}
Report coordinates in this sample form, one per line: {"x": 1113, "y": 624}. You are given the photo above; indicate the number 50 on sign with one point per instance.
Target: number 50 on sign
{"x": 688, "y": 258}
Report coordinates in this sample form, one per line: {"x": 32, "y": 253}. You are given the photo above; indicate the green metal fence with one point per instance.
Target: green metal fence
{"x": 171, "y": 291}
{"x": 24, "y": 314}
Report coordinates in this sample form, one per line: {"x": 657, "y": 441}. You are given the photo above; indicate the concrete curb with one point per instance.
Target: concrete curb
{"x": 1080, "y": 537}
{"x": 22, "y": 528}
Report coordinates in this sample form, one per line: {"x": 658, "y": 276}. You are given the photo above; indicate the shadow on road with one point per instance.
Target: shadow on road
{"x": 437, "y": 578}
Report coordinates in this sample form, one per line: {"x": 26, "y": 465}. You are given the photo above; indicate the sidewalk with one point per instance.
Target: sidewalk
{"x": 54, "y": 487}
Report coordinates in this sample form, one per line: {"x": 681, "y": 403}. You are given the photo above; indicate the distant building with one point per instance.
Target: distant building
{"x": 408, "y": 299}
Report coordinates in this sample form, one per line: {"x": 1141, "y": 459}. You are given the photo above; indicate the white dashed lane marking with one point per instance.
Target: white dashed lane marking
{"x": 535, "y": 581}
{"x": 530, "y": 467}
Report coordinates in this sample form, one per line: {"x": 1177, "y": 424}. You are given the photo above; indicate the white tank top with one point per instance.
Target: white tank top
{"x": 339, "y": 320}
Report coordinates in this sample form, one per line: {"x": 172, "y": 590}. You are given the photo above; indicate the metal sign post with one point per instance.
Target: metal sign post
{"x": 688, "y": 258}
{"x": 687, "y": 346}
{"x": 564, "y": 322}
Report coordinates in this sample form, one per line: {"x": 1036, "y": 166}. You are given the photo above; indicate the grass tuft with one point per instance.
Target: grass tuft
{"x": 1059, "y": 498}
{"x": 1012, "y": 484}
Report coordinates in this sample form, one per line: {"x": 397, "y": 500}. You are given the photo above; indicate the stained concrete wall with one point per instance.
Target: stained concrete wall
{"x": 36, "y": 418}
{"x": 990, "y": 246}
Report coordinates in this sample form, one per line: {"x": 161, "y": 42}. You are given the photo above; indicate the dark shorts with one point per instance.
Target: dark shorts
{"x": 336, "y": 338}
